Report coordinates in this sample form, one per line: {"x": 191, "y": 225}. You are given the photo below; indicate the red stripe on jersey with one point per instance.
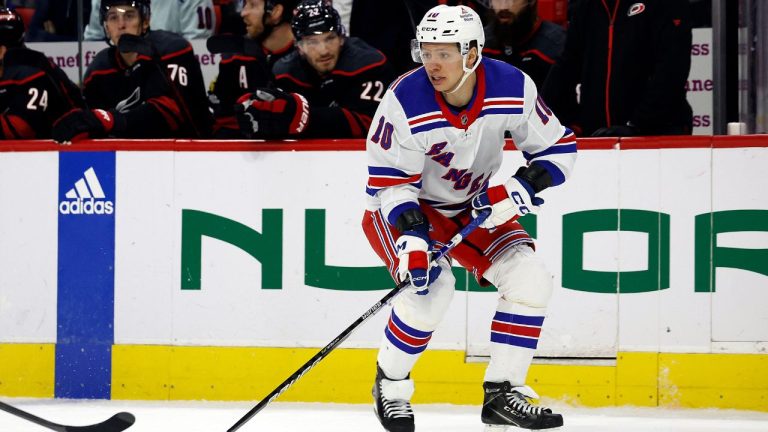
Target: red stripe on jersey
{"x": 425, "y": 119}
{"x": 23, "y": 80}
{"x": 380, "y": 182}
{"x": 400, "y": 78}
{"x": 229, "y": 122}
{"x": 354, "y": 128}
{"x": 514, "y": 329}
{"x": 504, "y": 102}
{"x": 540, "y": 55}
{"x": 169, "y": 110}
{"x": 15, "y": 127}
{"x": 94, "y": 74}
{"x": 362, "y": 69}
{"x": 294, "y": 79}
{"x": 177, "y": 53}
{"x": 570, "y": 138}
{"x": 238, "y": 57}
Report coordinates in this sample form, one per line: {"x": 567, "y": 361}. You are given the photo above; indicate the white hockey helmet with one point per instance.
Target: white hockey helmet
{"x": 451, "y": 24}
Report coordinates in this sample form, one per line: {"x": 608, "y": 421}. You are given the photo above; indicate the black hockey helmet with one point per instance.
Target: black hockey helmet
{"x": 315, "y": 17}
{"x": 11, "y": 28}
{"x": 143, "y": 6}
{"x": 288, "y": 7}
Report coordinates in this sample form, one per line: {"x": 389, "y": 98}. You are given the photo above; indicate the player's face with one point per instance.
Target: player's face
{"x": 507, "y": 11}
{"x": 443, "y": 63}
{"x": 122, "y": 20}
{"x": 253, "y": 17}
{"x": 322, "y": 50}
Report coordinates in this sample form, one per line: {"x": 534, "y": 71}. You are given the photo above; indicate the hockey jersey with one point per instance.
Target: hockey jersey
{"x": 33, "y": 94}
{"x": 421, "y": 149}
{"x": 240, "y": 73}
{"x": 162, "y": 96}
{"x": 341, "y": 102}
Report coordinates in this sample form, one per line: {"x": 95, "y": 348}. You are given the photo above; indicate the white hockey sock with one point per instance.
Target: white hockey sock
{"x": 515, "y": 334}
{"x": 400, "y": 347}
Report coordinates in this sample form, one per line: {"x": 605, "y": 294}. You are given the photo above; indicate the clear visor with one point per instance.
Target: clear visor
{"x": 434, "y": 53}
{"x": 415, "y": 51}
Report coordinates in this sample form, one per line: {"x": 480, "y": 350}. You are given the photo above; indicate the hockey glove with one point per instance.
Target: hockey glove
{"x": 271, "y": 113}
{"x": 507, "y": 202}
{"x": 80, "y": 124}
{"x": 413, "y": 251}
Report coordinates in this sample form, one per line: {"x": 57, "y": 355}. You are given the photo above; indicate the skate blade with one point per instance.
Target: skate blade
{"x": 495, "y": 428}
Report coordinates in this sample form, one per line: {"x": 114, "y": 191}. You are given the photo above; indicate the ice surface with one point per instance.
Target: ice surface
{"x": 301, "y": 417}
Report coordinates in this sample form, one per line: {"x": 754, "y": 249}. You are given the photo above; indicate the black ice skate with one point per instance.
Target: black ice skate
{"x": 391, "y": 402}
{"x": 504, "y": 405}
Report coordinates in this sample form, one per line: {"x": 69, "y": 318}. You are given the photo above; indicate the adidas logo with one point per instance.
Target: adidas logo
{"x": 87, "y": 197}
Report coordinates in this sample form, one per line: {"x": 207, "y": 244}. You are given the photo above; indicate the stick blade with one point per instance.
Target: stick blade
{"x": 117, "y": 423}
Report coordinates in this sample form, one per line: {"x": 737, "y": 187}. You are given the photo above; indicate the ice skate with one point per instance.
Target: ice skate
{"x": 504, "y": 405}
{"x": 392, "y": 403}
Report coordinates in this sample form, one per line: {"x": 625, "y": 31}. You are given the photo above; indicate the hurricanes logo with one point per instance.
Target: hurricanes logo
{"x": 87, "y": 197}
{"x": 636, "y": 9}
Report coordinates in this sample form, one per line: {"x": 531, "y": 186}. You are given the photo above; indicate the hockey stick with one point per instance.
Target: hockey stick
{"x": 473, "y": 224}
{"x": 117, "y": 423}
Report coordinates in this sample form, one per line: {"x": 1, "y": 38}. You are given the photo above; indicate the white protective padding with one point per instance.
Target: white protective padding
{"x": 424, "y": 312}
{"x": 397, "y": 390}
{"x": 521, "y": 277}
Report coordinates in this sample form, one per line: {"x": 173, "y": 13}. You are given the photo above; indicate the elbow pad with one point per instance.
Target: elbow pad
{"x": 536, "y": 176}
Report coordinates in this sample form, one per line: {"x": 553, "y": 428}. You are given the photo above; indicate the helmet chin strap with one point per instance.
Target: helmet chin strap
{"x": 467, "y": 73}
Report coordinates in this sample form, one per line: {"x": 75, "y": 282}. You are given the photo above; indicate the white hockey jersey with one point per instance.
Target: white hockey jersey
{"x": 420, "y": 148}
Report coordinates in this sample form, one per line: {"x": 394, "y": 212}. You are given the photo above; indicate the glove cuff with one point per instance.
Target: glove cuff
{"x": 511, "y": 186}
{"x": 301, "y": 116}
{"x": 412, "y": 241}
{"x": 106, "y": 119}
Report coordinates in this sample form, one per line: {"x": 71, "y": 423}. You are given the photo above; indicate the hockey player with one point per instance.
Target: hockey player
{"x": 436, "y": 140}
{"x": 147, "y": 84}
{"x": 624, "y": 69}
{"x": 517, "y": 35}
{"x": 193, "y": 19}
{"x": 329, "y": 87}
{"x": 247, "y": 63}
{"x": 33, "y": 92}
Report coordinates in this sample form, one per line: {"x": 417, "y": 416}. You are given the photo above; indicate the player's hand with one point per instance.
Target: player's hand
{"x": 80, "y": 124}
{"x": 507, "y": 202}
{"x": 413, "y": 251}
{"x": 271, "y": 113}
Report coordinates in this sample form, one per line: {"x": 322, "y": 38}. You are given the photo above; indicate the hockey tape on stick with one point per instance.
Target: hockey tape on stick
{"x": 458, "y": 238}
{"x": 117, "y": 423}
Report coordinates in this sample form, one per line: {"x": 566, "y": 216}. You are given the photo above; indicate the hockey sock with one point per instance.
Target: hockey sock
{"x": 515, "y": 334}
{"x": 401, "y": 347}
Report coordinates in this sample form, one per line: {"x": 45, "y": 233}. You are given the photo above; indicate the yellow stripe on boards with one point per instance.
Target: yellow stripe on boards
{"x": 26, "y": 370}
{"x": 155, "y": 372}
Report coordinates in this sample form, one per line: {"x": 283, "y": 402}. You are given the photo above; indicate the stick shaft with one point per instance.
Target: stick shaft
{"x": 473, "y": 224}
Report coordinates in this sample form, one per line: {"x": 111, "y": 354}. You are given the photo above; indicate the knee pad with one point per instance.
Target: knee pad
{"x": 521, "y": 277}
{"x": 424, "y": 312}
